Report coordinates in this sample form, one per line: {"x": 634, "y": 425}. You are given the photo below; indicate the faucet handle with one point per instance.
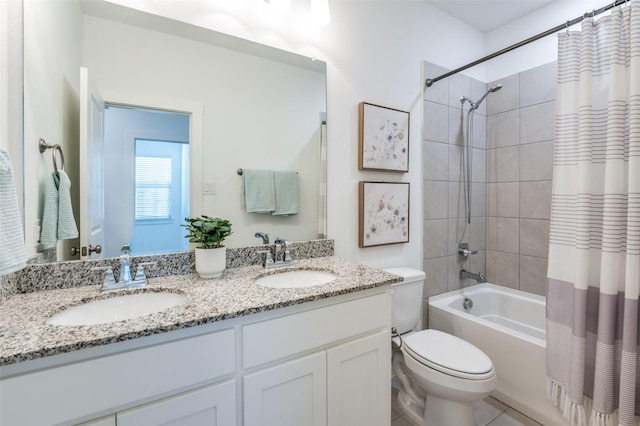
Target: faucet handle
{"x": 109, "y": 278}
{"x": 140, "y": 270}
{"x": 268, "y": 259}
{"x": 463, "y": 250}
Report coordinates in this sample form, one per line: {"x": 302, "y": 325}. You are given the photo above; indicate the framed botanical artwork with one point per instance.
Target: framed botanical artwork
{"x": 383, "y": 142}
{"x": 384, "y": 213}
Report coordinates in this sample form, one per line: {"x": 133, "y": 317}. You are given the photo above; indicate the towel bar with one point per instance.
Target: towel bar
{"x": 240, "y": 172}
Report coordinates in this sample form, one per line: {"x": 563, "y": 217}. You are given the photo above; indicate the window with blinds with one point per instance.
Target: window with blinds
{"x": 153, "y": 188}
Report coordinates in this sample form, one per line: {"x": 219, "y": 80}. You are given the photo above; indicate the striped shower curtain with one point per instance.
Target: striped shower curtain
{"x": 594, "y": 254}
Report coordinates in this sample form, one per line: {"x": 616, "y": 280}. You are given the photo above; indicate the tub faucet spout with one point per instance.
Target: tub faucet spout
{"x": 479, "y": 277}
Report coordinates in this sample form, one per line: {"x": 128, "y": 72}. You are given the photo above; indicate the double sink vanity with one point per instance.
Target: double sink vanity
{"x": 305, "y": 344}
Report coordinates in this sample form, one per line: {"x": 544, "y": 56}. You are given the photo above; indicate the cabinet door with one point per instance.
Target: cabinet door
{"x": 102, "y": 421}
{"x": 213, "y": 405}
{"x": 359, "y": 382}
{"x": 290, "y": 394}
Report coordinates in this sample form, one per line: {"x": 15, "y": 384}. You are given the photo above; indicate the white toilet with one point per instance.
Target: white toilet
{"x": 441, "y": 374}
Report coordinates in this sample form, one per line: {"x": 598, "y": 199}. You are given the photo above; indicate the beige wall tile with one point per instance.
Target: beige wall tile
{"x": 457, "y": 199}
{"x": 503, "y": 234}
{"x": 536, "y": 161}
{"x": 436, "y": 280}
{"x": 507, "y": 98}
{"x": 435, "y": 238}
{"x": 478, "y": 199}
{"x": 503, "y": 199}
{"x": 439, "y": 92}
{"x": 538, "y": 84}
{"x": 534, "y": 237}
{"x": 436, "y": 122}
{"x": 533, "y": 274}
{"x": 503, "y": 164}
{"x": 457, "y": 126}
{"x": 459, "y": 85}
{"x": 503, "y": 129}
{"x": 503, "y": 268}
{"x": 435, "y": 161}
{"x": 537, "y": 122}
{"x": 535, "y": 199}
{"x": 435, "y": 199}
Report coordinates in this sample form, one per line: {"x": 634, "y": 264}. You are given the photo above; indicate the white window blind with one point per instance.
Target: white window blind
{"x": 153, "y": 188}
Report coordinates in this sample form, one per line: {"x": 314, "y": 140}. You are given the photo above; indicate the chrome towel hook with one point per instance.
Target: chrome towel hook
{"x": 43, "y": 146}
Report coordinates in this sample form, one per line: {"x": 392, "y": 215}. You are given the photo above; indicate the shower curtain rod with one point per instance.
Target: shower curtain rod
{"x": 553, "y": 30}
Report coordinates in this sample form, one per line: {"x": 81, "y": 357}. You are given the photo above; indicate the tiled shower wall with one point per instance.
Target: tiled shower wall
{"x": 444, "y": 174}
{"x": 511, "y": 179}
{"x": 520, "y": 135}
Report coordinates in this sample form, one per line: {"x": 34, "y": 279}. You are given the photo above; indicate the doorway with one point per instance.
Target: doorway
{"x": 146, "y": 180}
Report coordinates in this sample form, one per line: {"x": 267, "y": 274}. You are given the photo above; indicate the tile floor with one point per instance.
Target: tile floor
{"x": 488, "y": 412}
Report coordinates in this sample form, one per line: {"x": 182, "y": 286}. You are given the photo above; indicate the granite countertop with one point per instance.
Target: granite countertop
{"x": 24, "y": 334}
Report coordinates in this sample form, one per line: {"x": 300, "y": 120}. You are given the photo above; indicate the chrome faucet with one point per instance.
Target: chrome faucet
{"x": 283, "y": 255}
{"x": 125, "y": 264}
{"x": 126, "y": 280}
{"x": 479, "y": 277}
{"x": 265, "y": 237}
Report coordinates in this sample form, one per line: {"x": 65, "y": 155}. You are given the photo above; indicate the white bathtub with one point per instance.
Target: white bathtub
{"x": 509, "y": 326}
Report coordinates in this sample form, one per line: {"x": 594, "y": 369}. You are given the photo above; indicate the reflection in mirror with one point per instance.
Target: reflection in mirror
{"x": 146, "y": 153}
{"x": 256, "y": 108}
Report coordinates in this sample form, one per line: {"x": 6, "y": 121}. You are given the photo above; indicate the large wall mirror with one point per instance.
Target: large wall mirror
{"x": 244, "y": 105}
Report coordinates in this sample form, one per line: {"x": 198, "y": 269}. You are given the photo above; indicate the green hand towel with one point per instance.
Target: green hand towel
{"x": 258, "y": 191}
{"x": 58, "y": 222}
{"x": 286, "y": 186}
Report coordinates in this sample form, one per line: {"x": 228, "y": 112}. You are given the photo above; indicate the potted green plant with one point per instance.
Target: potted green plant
{"x": 209, "y": 232}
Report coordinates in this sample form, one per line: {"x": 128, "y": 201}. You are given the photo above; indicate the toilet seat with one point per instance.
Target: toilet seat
{"x": 448, "y": 354}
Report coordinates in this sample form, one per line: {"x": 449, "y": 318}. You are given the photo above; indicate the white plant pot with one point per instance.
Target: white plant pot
{"x": 210, "y": 263}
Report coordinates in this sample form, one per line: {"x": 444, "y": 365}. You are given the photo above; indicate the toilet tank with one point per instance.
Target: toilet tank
{"x": 406, "y": 298}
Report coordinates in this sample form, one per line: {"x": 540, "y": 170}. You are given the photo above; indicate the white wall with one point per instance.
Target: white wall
{"x": 52, "y": 40}
{"x": 541, "y": 51}
{"x": 373, "y": 51}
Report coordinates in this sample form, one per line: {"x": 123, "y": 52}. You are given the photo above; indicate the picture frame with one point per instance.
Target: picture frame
{"x": 383, "y": 138}
{"x": 383, "y": 213}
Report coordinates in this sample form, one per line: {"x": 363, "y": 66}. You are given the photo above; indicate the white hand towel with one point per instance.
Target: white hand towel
{"x": 258, "y": 193}
{"x": 286, "y": 185}
{"x": 12, "y": 249}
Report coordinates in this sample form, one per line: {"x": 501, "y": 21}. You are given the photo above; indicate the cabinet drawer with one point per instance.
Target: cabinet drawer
{"x": 103, "y": 384}
{"x": 211, "y": 405}
{"x": 288, "y": 335}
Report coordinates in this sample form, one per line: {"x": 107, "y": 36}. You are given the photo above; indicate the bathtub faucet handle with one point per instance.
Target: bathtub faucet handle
{"x": 463, "y": 250}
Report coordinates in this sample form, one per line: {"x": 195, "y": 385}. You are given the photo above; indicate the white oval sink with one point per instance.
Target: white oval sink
{"x": 118, "y": 308}
{"x": 296, "y": 279}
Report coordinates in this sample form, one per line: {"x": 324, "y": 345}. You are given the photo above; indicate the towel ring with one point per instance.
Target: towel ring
{"x": 43, "y": 146}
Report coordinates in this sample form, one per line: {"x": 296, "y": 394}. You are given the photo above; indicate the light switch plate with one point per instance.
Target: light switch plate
{"x": 209, "y": 188}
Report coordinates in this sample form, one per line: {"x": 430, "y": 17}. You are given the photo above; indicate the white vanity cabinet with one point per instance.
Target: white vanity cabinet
{"x": 325, "y": 362}
{"x": 292, "y": 393}
{"x": 334, "y": 368}
{"x": 213, "y": 405}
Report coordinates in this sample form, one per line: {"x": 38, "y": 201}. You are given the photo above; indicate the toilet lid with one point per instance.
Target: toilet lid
{"x": 448, "y": 354}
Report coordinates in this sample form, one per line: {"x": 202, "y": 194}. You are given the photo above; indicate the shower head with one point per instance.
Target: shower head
{"x": 491, "y": 90}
